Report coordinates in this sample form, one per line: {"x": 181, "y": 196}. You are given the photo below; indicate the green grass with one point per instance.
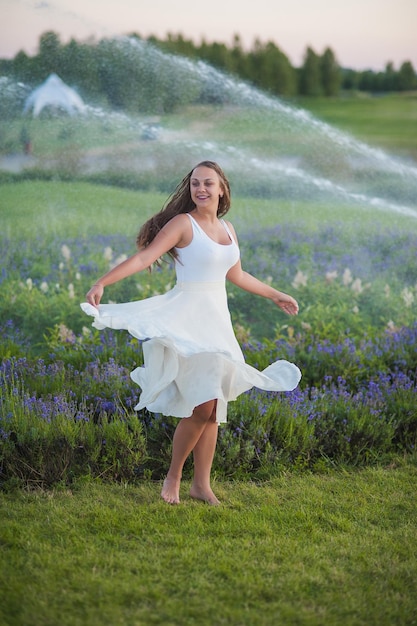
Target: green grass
{"x": 81, "y": 209}
{"x": 73, "y": 209}
{"x": 305, "y": 550}
{"x": 389, "y": 121}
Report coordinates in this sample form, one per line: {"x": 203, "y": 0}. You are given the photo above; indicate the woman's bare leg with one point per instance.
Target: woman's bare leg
{"x": 186, "y": 436}
{"x": 203, "y": 459}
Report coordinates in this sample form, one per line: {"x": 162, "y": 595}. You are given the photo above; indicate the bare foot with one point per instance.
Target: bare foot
{"x": 171, "y": 491}
{"x": 204, "y": 494}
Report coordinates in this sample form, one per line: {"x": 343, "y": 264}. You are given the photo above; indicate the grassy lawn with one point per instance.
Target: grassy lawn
{"x": 35, "y": 208}
{"x": 389, "y": 121}
{"x": 306, "y": 550}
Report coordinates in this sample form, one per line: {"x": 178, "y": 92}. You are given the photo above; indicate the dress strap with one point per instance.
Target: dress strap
{"x": 194, "y": 223}
{"x": 227, "y": 229}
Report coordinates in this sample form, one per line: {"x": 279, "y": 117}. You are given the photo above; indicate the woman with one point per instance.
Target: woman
{"x": 193, "y": 364}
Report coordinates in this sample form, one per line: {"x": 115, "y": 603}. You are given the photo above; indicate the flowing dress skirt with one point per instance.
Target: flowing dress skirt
{"x": 191, "y": 354}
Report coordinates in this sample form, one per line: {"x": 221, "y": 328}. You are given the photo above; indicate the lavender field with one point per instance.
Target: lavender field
{"x": 67, "y": 398}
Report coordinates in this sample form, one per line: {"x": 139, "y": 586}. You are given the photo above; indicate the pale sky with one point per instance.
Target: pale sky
{"x": 362, "y": 33}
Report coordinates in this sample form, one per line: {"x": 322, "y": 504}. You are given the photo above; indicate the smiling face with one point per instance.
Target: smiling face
{"x": 205, "y": 187}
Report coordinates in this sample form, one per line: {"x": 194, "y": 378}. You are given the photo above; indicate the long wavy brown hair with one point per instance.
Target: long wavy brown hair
{"x": 180, "y": 202}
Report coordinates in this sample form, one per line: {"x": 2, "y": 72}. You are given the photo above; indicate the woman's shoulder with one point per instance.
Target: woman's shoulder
{"x": 181, "y": 218}
{"x": 178, "y": 221}
{"x": 180, "y": 225}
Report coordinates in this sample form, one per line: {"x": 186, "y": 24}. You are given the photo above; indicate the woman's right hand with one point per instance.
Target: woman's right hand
{"x": 95, "y": 294}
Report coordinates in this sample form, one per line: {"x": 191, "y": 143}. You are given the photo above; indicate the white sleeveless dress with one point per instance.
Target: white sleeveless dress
{"x": 191, "y": 354}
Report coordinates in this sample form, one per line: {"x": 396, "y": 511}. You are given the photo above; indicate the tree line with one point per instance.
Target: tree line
{"x": 267, "y": 67}
{"x": 107, "y": 70}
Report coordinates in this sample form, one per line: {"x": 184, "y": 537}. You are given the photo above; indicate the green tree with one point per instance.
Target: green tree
{"x": 25, "y": 68}
{"x": 49, "y": 58}
{"x": 350, "y": 79}
{"x": 407, "y": 79}
{"x": 78, "y": 67}
{"x": 238, "y": 61}
{"x": 310, "y": 74}
{"x": 217, "y": 55}
{"x": 390, "y": 81}
{"x": 139, "y": 78}
{"x": 178, "y": 45}
{"x": 330, "y": 73}
{"x": 367, "y": 81}
{"x": 271, "y": 70}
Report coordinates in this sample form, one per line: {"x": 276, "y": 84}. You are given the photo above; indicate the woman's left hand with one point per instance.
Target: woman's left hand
{"x": 287, "y": 304}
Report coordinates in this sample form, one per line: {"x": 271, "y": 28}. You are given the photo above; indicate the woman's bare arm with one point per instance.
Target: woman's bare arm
{"x": 246, "y": 281}
{"x": 175, "y": 233}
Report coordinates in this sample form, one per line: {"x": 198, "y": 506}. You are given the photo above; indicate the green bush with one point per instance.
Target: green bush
{"x": 42, "y": 450}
